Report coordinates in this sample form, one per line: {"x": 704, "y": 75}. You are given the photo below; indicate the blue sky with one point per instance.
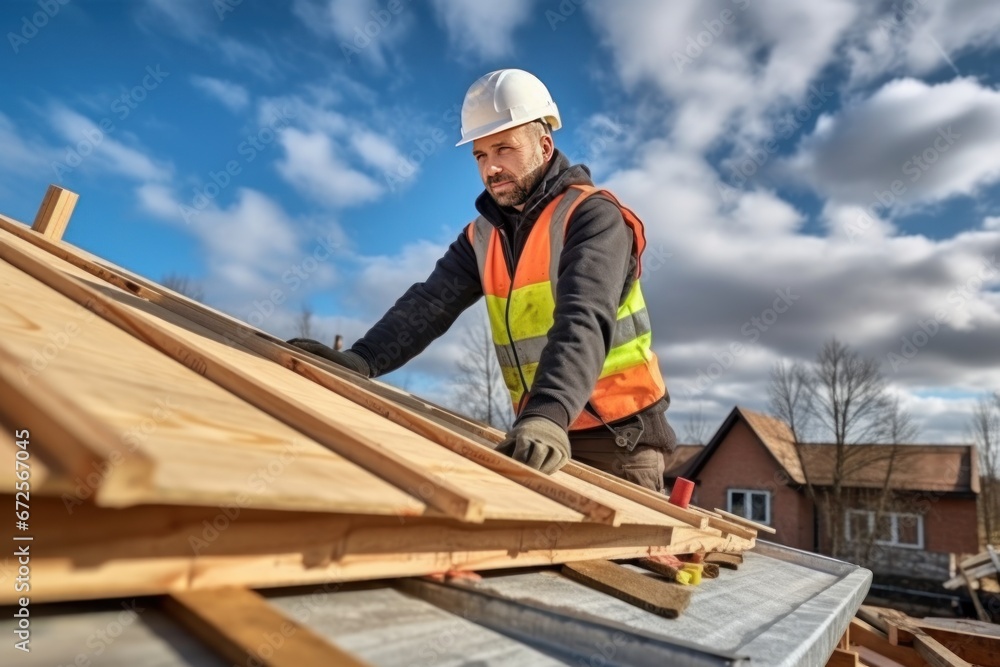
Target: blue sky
{"x": 232, "y": 141}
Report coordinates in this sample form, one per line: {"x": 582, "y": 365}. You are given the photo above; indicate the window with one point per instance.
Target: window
{"x": 749, "y": 504}
{"x": 895, "y": 529}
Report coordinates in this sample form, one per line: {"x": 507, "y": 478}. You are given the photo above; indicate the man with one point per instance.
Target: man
{"x": 558, "y": 262}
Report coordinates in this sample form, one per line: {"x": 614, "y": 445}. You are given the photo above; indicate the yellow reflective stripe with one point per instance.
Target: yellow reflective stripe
{"x": 532, "y": 311}
{"x": 633, "y": 303}
{"x": 495, "y": 306}
{"x": 513, "y": 380}
{"x": 632, "y": 353}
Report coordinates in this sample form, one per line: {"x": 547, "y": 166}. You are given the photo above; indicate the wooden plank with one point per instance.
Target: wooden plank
{"x": 871, "y": 658}
{"x": 101, "y": 397}
{"x": 978, "y": 649}
{"x": 347, "y": 441}
{"x": 980, "y": 612}
{"x": 633, "y": 492}
{"x": 728, "y": 561}
{"x": 962, "y": 625}
{"x": 55, "y": 211}
{"x": 842, "y": 658}
{"x": 154, "y": 549}
{"x": 244, "y": 628}
{"x": 37, "y": 471}
{"x": 655, "y": 596}
{"x": 935, "y": 653}
{"x": 61, "y": 431}
{"x": 866, "y": 635}
{"x": 746, "y": 522}
{"x": 724, "y": 525}
{"x": 975, "y": 574}
{"x": 507, "y": 499}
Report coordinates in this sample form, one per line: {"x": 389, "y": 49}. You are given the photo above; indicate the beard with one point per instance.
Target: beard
{"x": 521, "y": 187}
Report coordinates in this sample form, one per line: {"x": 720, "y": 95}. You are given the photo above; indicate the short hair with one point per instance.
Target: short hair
{"x": 540, "y": 128}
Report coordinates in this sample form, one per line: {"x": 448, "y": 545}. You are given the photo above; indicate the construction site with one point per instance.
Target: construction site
{"x": 190, "y": 490}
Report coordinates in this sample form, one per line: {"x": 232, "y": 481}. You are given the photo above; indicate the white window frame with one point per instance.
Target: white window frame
{"x": 748, "y": 505}
{"x": 895, "y": 518}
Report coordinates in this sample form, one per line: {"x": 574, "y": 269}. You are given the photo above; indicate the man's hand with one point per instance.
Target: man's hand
{"x": 346, "y": 359}
{"x": 539, "y": 443}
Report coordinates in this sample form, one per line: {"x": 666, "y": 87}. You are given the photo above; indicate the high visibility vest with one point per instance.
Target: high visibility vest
{"x": 522, "y": 311}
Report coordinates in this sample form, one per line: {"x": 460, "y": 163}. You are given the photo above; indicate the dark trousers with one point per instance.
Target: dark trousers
{"x": 643, "y": 465}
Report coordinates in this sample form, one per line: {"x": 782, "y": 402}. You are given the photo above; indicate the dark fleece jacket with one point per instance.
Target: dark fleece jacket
{"x": 596, "y": 269}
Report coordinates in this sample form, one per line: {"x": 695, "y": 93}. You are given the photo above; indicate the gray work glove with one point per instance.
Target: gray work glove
{"x": 539, "y": 443}
{"x": 347, "y": 359}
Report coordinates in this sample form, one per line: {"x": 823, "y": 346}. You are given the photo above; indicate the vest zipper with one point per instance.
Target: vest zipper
{"x": 508, "y": 255}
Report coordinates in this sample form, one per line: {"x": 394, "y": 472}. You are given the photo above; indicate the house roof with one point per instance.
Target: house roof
{"x": 772, "y": 433}
{"x": 777, "y": 437}
{"x": 916, "y": 467}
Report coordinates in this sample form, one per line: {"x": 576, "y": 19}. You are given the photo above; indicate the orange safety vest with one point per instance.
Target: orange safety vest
{"x": 522, "y": 311}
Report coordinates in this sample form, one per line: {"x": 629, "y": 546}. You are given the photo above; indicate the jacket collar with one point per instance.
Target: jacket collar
{"x": 559, "y": 176}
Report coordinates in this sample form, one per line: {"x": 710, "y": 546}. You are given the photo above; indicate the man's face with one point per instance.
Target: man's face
{"x": 512, "y": 162}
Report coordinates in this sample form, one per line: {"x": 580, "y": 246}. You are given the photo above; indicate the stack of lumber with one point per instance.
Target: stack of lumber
{"x": 880, "y": 637}
{"x": 173, "y": 449}
{"x": 971, "y": 571}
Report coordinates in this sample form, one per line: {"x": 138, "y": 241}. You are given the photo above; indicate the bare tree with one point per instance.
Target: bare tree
{"x": 183, "y": 285}
{"x": 897, "y": 428}
{"x": 304, "y": 328}
{"x": 479, "y": 389}
{"x": 984, "y": 426}
{"x": 696, "y": 428}
{"x": 839, "y": 399}
{"x": 791, "y": 393}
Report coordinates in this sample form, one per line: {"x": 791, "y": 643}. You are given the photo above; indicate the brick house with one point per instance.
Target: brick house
{"x": 751, "y": 468}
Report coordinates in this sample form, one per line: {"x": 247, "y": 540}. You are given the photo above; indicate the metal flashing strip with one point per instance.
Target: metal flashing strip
{"x": 564, "y": 632}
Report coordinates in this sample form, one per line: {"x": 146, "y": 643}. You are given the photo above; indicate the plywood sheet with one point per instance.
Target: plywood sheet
{"x": 504, "y": 498}
{"x": 207, "y": 446}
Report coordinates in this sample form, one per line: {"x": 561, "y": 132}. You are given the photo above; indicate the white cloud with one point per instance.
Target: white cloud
{"x": 363, "y": 29}
{"x": 21, "y": 153}
{"x": 232, "y": 95}
{"x": 188, "y": 19}
{"x": 723, "y": 65}
{"x": 992, "y": 223}
{"x": 483, "y": 29}
{"x": 931, "y": 141}
{"x": 253, "y": 247}
{"x": 96, "y": 148}
{"x": 314, "y": 165}
{"x": 254, "y": 59}
{"x": 919, "y": 37}
{"x": 377, "y": 151}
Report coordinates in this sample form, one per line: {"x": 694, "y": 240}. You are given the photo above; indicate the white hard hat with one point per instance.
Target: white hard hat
{"x": 504, "y": 99}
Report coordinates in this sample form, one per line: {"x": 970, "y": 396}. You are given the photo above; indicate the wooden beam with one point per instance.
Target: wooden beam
{"x": 343, "y": 439}
{"x": 980, "y": 612}
{"x": 634, "y": 493}
{"x": 155, "y": 549}
{"x": 842, "y": 658}
{"x": 243, "y": 628}
{"x": 54, "y": 213}
{"x": 872, "y": 658}
{"x": 983, "y": 650}
{"x": 655, "y": 596}
{"x": 935, "y": 653}
{"x": 864, "y": 634}
{"x": 65, "y": 438}
{"x": 759, "y": 527}
{"x": 377, "y": 397}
